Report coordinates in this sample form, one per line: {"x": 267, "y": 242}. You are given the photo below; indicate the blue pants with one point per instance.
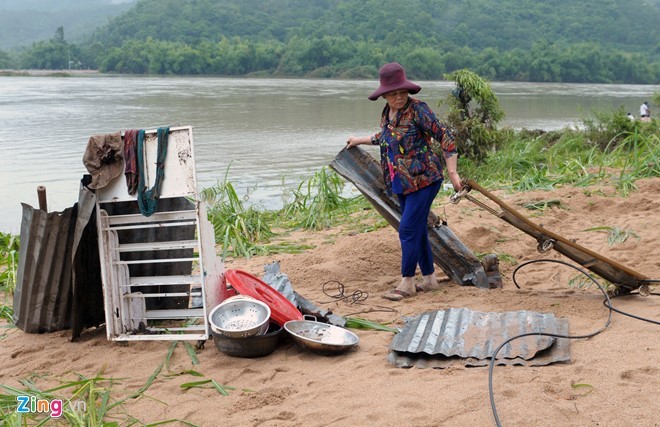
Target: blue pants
{"x": 413, "y": 230}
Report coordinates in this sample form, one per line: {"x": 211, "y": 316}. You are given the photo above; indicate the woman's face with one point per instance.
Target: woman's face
{"x": 396, "y": 99}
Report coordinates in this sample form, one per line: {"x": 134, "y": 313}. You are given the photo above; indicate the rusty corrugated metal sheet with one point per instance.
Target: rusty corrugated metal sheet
{"x": 445, "y": 337}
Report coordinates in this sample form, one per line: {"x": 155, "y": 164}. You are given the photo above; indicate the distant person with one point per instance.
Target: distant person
{"x": 630, "y": 117}
{"x": 411, "y": 170}
{"x": 645, "y": 112}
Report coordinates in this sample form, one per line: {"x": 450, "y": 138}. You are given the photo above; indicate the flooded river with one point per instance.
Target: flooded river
{"x": 266, "y": 134}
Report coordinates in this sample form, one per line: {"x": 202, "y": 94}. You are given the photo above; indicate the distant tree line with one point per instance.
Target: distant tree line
{"x": 353, "y": 38}
{"x": 340, "y": 57}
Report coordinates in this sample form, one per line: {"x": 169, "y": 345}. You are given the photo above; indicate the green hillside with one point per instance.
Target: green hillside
{"x": 527, "y": 40}
{"x": 478, "y": 24}
{"x": 23, "y": 22}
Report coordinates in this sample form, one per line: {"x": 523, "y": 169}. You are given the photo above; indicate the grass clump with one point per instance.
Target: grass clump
{"x": 238, "y": 229}
{"x": 542, "y": 205}
{"x": 85, "y": 402}
{"x": 9, "y": 251}
{"x": 615, "y": 235}
{"x": 90, "y": 404}
{"x": 318, "y": 203}
{"x": 610, "y": 148}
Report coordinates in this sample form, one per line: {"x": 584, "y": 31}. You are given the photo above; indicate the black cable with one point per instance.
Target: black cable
{"x": 357, "y": 297}
{"x": 491, "y": 365}
{"x": 643, "y": 319}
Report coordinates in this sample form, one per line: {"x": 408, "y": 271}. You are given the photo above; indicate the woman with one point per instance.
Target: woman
{"x": 411, "y": 170}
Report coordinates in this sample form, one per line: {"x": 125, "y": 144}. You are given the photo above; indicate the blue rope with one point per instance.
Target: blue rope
{"x": 148, "y": 199}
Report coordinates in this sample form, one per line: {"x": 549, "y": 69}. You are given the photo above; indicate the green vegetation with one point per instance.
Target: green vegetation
{"x": 317, "y": 201}
{"x": 9, "y": 249}
{"x": 580, "y": 281}
{"x": 615, "y": 235}
{"x": 503, "y": 257}
{"x": 542, "y": 160}
{"x": 213, "y": 384}
{"x": 89, "y": 402}
{"x": 523, "y": 160}
{"x": 317, "y": 204}
{"x": 360, "y": 323}
{"x": 552, "y": 41}
{"x": 54, "y": 54}
{"x": 589, "y": 388}
{"x": 656, "y": 99}
{"x": 542, "y": 205}
{"x": 237, "y": 229}
{"x": 474, "y": 113}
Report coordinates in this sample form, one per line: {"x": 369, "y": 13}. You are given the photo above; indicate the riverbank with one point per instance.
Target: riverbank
{"x": 612, "y": 379}
{"x": 50, "y": 73}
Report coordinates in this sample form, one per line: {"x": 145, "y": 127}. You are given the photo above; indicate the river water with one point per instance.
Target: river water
{"x": 265, "y": 134}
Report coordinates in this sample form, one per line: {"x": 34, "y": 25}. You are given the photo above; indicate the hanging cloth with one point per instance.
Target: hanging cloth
{"x": 130, "y": 159}
{"x": 148, "y": 199}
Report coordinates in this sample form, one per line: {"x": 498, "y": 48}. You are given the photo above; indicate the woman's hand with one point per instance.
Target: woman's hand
{"x": 352, "y": 141}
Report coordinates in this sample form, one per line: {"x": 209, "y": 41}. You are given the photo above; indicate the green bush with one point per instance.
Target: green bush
{"x": 9, "y": 251}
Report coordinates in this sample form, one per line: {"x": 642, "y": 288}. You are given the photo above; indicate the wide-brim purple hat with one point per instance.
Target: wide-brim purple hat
{"x": 393, "y": 77}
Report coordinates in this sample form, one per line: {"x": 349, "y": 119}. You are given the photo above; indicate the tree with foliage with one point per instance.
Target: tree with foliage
{"x": 474, "y": 112}
{"x": 54, "y": 54}
{"x": 5, "y": 60}
{"x": 656, "y": 99}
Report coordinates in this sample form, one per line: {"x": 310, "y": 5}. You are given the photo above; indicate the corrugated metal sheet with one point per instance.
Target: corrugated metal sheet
{"x": 445, "y": 337}
{"x": 45, "y": 299}
{"x": 42, "y": 300}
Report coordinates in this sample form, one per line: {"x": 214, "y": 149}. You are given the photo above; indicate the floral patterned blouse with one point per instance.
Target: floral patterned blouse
{"x": 406, "y": 157}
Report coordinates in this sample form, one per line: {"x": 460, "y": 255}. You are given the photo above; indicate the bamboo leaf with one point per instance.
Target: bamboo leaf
{"x": 170, "y": 351}
{"x": 186, "y": 372}
{"x": 220, "y": 389}
{"x": 194, "y": 384}
{"x": 359, "y": 323}
{"x": 191, "y": 352}
{"x": 589, "y": 387}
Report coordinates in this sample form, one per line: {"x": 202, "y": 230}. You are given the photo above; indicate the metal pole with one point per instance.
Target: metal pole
{"x": 41, "y": 194}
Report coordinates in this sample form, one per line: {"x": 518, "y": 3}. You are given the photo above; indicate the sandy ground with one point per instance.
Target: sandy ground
{"x": 292, "y": 387}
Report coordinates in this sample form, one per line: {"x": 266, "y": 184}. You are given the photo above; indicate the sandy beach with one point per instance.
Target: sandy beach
{"x": 612, "y": 379}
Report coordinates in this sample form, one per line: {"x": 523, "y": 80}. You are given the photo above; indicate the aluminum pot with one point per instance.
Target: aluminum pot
{"x": 254, "y": 346}
{"x": 320, "y": 337}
